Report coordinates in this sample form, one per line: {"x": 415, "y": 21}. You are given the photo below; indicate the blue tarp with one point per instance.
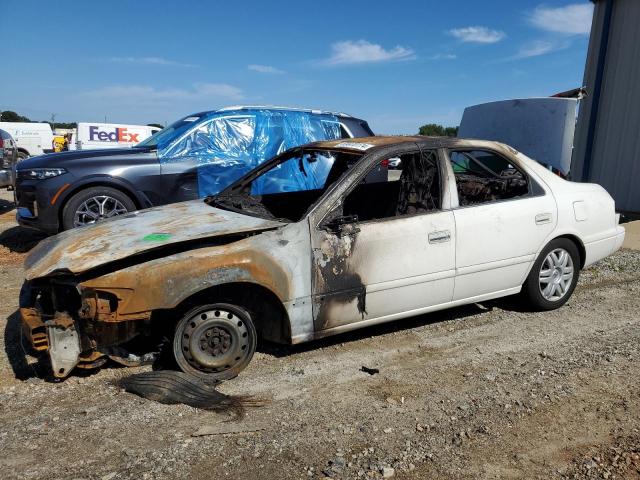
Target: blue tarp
{"x": 224, "y": 146}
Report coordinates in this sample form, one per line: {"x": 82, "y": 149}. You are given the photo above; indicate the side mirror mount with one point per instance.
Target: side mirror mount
{"x": 342, "y": 225}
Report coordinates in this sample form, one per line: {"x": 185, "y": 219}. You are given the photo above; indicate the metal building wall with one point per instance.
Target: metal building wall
{"x": 607, "y": 141}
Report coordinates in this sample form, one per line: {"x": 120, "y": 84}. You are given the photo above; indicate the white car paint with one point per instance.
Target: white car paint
{"x": 496, "y": 246}
{"x": 383, "y": 269}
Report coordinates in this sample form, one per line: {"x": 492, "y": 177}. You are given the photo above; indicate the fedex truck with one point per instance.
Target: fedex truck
{"x": 110, "y": 135}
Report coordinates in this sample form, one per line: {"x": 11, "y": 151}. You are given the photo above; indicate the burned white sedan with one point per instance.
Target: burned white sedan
{"x": 322, "y": 239}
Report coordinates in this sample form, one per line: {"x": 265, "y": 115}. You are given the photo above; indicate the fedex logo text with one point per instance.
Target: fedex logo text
{"x": 117, "y": 135}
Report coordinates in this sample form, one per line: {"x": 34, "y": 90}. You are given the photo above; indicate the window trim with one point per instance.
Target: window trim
{"x": 532, "y": 184}
{"x": 377, "y": 159}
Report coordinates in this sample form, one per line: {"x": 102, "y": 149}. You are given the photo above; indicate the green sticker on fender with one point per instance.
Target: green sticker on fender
{"x": 156, "y": 237}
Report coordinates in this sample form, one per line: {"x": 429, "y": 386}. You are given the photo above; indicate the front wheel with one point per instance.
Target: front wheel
{"x": 215, "y": 342}
{"x": 554, "y": 275}
{"x": 94, "y": 205}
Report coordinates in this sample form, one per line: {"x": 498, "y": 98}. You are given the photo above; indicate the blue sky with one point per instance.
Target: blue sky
{"x": 398, "y": 65}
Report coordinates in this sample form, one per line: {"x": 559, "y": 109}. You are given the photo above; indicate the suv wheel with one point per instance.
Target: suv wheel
{"x": 554, "y": 275}
{"x": 93, "y": 205}
{"x": 215, "y": 342}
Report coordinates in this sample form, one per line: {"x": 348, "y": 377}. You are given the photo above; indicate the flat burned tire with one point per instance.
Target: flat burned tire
{"x": 215, "y": 342}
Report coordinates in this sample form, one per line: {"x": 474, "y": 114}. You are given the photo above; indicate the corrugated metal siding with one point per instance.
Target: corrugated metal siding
{"x": 585, "y": 106}
{"x": 615, "y": 162}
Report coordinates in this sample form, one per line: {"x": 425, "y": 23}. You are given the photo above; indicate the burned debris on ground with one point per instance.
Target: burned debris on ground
{"x": 174, "y": 387}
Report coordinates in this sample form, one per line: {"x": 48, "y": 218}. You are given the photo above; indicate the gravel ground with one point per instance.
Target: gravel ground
{"x": 486, "y": 391}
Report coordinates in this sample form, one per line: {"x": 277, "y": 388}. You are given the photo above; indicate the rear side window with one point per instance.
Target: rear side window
{"x": 224, "y": 137}
{"x": 334, "y": 130}
{"x": 483, "y": 176}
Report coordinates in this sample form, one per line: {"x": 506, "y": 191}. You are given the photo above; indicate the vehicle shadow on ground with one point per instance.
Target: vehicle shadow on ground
{"x": 20, "y": 239}
{"x": 6, "y": 206}
{"x": 458, "y": 313}
{"x": 18, "y": 350}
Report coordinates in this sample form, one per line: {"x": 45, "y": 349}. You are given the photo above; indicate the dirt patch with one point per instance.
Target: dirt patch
{"x": 487, "y": 391}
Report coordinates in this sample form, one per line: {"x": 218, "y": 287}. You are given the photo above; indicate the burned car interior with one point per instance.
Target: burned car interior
{"x": 484, "y": 176}
{"x": 384, "y": 193}
{"x": 291, "y": 187}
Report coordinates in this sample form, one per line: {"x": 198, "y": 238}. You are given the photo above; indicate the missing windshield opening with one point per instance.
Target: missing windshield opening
{"x": 290, "y": 187}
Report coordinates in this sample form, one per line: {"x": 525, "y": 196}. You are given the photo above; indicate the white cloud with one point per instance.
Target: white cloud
{"x": 537, "y": 48}
{"x": 265, "y": 69}
{"x": 477, "y": 34}
{"x": 443, "y": 56}
{"x": 144, "y": 61}
{"x": 573, "y": 19}
{"x": 353, "y": 52}
{"x": 146, "y": 95}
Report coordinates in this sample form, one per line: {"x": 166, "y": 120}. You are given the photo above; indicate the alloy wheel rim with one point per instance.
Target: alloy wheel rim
{"x": 98, "y": 208}
{"x": 556, "y": 275}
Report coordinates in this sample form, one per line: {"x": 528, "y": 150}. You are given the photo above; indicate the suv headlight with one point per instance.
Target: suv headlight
{"x": 40, "y": 173}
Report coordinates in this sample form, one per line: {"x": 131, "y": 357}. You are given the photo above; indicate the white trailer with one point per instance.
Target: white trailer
{"x": 110, "y": 135}
{"x": 31, "y": 138}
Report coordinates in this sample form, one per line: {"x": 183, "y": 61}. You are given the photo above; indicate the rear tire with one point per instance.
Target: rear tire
{"x": 95, "y": 204}
{"x": 22, "y": 156}
{"x": 554, "y": 275}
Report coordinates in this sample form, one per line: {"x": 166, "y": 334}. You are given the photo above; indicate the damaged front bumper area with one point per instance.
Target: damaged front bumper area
{"x": 79, "y": 327}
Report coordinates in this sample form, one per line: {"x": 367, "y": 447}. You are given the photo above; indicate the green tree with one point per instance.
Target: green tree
{"x": 451, "y": 131}
{"x": 435, "y": 130}
{"x": 10, "y": 116}
{"x": 431, "y": 130}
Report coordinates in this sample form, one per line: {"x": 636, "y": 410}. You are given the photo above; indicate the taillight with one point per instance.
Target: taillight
{"x": 1, "y": 143}
{"x": 385, "y": 163}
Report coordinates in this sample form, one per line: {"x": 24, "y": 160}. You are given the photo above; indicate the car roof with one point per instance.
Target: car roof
{"x": 373, "y": 143}
{"x": 275, "y": 107}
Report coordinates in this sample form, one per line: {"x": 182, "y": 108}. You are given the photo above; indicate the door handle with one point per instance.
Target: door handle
{"x": 440, "y": 237}
{"x": 543, "y": 218}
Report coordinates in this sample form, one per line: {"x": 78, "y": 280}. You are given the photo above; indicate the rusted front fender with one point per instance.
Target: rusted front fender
{"x": 166, "y": 282}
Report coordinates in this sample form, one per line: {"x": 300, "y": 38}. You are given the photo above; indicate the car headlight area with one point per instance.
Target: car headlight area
{"x": 40, "y": 173}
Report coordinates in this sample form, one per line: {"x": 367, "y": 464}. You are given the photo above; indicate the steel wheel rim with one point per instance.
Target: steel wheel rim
{"x": 215, "y": 340}
{"x": 95, "y": 209}
{"x": 556, "y": 275}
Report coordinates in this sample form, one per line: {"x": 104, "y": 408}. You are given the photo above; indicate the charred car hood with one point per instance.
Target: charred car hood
{"x": 85, "y": 248}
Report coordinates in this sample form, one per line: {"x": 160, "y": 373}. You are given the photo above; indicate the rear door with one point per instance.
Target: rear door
{"x": 502, "y": 219}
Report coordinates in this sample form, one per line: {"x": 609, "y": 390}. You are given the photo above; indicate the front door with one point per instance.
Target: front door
{"x": 388, "y": 249}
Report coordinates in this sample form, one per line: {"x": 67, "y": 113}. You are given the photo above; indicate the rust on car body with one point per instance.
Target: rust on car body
{"x": 99, "y": 287}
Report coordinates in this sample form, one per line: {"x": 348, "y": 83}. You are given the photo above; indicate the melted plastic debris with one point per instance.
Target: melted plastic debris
{"x": 173, "y": 387}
